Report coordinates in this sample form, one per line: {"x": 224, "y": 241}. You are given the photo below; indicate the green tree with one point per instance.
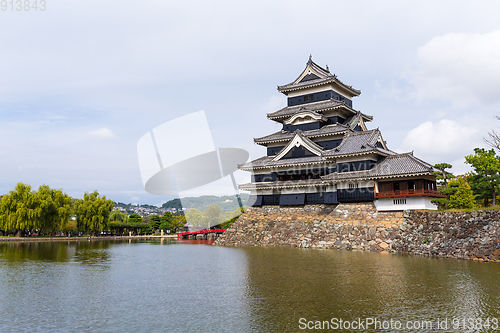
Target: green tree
{"x": 92, "y": 212}
{"x": 178, "y": 223}
{"x": 154, "y": 222}
{"x": 135, "y": 218}
{"x": 442, "y": 177}
{"x": 194, "y": 217}
{"x": 213, "y": 216}
{"x": 118, "y": 216}
{"x": 486, "y": 175}
{"x": 166, "y": 221}
{"x": 463, "y": 196}
{"x": 19, "y": 210}
{"x": 55, "y": 207}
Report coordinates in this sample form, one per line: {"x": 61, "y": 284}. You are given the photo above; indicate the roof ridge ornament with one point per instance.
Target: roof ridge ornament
{"x": 310, "y": 58}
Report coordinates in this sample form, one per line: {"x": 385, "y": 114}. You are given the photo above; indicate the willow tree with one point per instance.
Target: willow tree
{"x": 19, "y": 210}
{"x": 54, "y": 207}
{"x": 92, "y": 212}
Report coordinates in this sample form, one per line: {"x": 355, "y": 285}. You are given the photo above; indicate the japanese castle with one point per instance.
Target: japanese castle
{"x": 325, "y": 154}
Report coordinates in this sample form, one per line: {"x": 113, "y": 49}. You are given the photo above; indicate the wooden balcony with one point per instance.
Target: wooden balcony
{"x": 409, "y": 193}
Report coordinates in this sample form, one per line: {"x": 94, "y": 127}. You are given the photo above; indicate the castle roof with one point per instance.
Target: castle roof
{"x": 399, "y": 165}
{"x": 314, "y": 75}
{"x": 353, "y": 144}
{"x": 283, "y": 136}
{"x": 267, "y": 162}
{"x": 358, "y": 143}
{"x": 318, "y": 107}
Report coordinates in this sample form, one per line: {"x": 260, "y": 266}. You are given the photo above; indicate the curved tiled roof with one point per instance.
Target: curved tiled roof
{"x": 318, "y": 82}
{"x": 358, "y": 143}
{"x": 392, "y": 166}
{"x": 318, "y": 107}
{"x": 285, "y": 136}
{"x": 267, "y": 161}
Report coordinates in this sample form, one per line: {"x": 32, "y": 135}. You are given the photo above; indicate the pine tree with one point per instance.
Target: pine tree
{"x": 486, "y": 175}
{"x": 442, "y": 177}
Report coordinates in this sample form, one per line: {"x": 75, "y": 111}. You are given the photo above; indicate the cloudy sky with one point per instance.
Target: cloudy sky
{"x": 83, "y": 81}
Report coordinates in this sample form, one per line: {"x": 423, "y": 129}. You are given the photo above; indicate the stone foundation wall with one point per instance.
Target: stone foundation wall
{"x": 345, "y": 226}
{"x": 464, "y": 235}
{"x": 358, "y": 226}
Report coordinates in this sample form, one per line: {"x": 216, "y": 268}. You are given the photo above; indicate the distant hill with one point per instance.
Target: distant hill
{"x": 225, "y": 202}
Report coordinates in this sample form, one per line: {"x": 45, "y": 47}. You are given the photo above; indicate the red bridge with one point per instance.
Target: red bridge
{"x": 203, "y": 233}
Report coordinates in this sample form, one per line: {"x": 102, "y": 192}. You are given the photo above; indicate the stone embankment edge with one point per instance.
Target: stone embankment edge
{"x": 359, "y": 226}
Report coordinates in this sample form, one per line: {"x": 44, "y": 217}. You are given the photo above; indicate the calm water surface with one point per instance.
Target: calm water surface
{"x": 107, "y": 286}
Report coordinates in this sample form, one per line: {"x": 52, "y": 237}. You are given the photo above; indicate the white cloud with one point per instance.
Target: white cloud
{"x": 445, "y": 139}
{"x": 461, "y": 68}
{"x": 102, "y": 133}
{"x": 275, "y": 103}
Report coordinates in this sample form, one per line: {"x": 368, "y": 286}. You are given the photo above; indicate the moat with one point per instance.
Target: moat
{"x": 183, "y": 286}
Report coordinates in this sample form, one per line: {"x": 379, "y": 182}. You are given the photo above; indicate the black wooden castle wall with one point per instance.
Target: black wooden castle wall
{"x": 295, "y": 199}
{"x": 319, "y": 96}
{"x": 274, "y": 176}
{"x": 362, "y": 194}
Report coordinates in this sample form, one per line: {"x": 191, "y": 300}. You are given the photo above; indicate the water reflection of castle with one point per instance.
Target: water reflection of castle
{"x": 325, "y": 154}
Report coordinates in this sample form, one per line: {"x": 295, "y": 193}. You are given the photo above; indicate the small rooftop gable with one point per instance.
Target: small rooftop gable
{"x": 312, "y": 72}
{"x": 299, "y": 140}
{"x": 315, "y": 75}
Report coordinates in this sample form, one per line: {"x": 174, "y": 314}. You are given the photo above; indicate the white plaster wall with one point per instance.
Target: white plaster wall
{"x": 311, "y": 189}
{"x": 292, "y": 168}
{"x": 316, "y": 90}
{"x": 387, "y": 204}
{"x": 345, "y": 185}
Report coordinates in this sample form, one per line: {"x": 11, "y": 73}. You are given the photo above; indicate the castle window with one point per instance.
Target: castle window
{"x": 353, "y": 185}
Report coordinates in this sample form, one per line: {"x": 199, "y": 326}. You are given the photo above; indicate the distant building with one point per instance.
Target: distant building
{"x": 325, "y": 154}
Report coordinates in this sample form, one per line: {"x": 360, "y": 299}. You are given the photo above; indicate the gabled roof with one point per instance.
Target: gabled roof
{"x": 356, "y": 120}
{"x": 318, "y": 107}
{"x": 300, "y": 140}
{"x": 314, "y": 75}
{"x": 282, "y": 136}
{"x": 360, "y": 143}
{"x": 399, "y": 165}
{"x": 305, "y": 114}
